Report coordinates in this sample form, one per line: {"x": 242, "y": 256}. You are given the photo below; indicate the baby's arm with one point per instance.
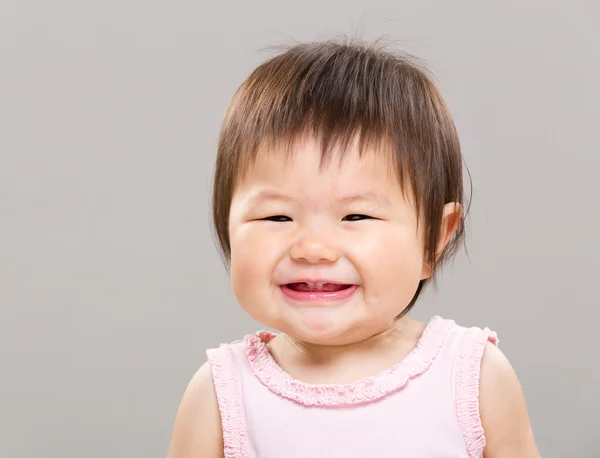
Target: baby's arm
{"x": 503, "y": 411}
{"x": 197, "y": 431}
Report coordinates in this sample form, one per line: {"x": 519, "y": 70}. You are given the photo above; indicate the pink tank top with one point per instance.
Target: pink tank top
{"x": 424, "y": 406}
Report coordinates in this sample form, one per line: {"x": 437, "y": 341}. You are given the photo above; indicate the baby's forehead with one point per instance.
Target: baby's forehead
{"x": 302, "y": 177}
{"x": 309, "y": 158}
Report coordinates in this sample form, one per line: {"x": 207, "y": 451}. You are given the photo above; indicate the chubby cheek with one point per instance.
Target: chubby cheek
{"x": 391, "y": 266}
{"x": 253, "y": 258}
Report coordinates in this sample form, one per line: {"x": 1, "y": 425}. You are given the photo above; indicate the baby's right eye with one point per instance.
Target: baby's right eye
{"x": 278, "y": 218}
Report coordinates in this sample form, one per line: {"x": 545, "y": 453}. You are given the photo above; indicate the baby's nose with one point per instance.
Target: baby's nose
{"x": 314, "y": 250}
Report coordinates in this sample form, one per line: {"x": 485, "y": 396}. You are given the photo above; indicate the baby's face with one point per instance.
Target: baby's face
{"x": 328, "y": 257}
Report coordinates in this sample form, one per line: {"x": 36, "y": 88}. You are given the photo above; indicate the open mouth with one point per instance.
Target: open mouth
{"x": 318, "y": 287}
{"x": 318, "y": 292}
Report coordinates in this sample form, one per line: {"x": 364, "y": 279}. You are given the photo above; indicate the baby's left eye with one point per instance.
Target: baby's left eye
{"x": 356, "y": 217}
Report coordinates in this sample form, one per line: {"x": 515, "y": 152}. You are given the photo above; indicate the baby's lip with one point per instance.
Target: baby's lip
{"x": 319, "y": 281}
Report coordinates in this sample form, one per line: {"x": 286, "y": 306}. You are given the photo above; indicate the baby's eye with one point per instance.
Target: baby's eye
{"x": 278, "y": 218}
{"x": 356, "y": 217}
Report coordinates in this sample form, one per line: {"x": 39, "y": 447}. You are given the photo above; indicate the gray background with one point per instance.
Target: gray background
{"x": 110, "y": 286}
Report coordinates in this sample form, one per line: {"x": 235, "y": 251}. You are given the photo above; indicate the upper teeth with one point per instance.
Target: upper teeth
{"x": 319, "y": 283}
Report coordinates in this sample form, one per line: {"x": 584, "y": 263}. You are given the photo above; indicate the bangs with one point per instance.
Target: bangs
{"x": 333, "y": 148}
{"x": 343, "y": 96}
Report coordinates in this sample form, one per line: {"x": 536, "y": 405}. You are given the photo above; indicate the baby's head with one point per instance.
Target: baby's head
{"x": 338, "y": 190}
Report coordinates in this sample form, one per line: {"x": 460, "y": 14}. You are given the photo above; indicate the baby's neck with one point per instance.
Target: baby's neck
{"x": 346, "y": 363}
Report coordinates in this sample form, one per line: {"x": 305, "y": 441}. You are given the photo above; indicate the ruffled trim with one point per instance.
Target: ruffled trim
{"x": 467, "y": 388}
{"x": 230, "y": 402}
{"x": 364, "y": 390}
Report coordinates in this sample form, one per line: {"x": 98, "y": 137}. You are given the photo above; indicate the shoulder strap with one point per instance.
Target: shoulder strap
{"x": 468, "y": 369}
{"x": 229, "y": 397}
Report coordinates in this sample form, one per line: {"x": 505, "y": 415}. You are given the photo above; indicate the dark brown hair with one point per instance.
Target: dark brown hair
{"x": 338, "y": 91}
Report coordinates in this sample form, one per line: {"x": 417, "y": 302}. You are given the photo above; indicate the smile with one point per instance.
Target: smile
{"x": 318, "y": 291}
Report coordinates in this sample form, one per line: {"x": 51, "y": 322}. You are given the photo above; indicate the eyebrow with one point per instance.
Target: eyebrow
{"x": 269, "y": 195}
{"x": 368, "y": 196}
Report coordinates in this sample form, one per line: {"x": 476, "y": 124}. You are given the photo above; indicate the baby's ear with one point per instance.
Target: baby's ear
{"x": 451, "y": 216}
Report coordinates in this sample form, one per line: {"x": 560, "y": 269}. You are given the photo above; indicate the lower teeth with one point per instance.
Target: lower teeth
{"x": 326, "y": 287}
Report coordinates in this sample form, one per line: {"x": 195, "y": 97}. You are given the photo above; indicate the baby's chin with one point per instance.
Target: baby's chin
{"x": 324, "y": 324}
{"x": 326, "y": 330}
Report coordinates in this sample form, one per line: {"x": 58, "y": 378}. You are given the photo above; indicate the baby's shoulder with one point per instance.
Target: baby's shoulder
{"x": 197, "y": 430}
{"x": 474, "y": 337}
{"x": 502, "y": 407}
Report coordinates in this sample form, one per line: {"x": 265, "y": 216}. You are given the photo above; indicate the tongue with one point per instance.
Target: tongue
{"x": 326, "y": 287}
